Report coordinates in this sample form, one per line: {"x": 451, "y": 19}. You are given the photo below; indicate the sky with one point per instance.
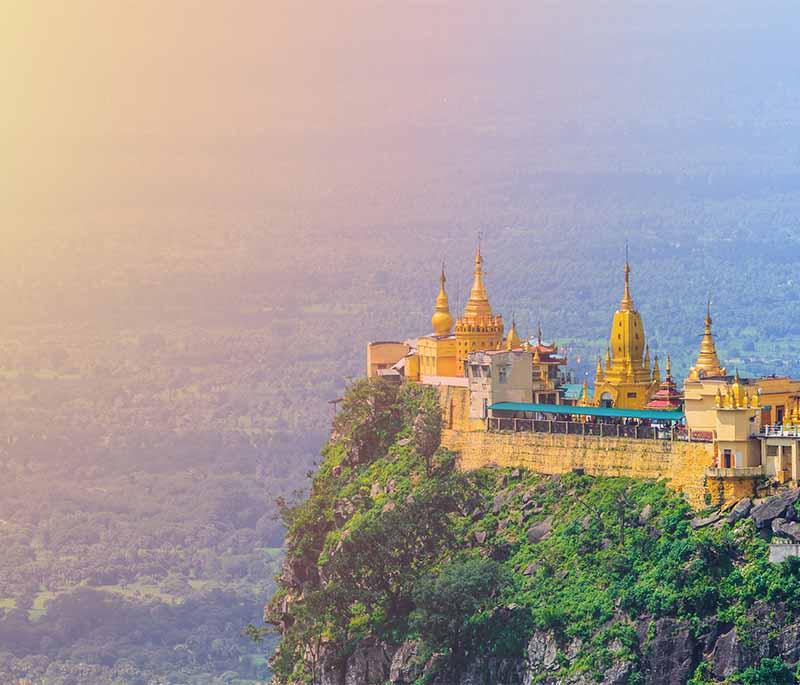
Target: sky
{"x": 145, "y": 113}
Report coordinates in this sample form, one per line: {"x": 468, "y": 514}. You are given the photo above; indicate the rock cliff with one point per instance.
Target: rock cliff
{"x": 401, "y": 569}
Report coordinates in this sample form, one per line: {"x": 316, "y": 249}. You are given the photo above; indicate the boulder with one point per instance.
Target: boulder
{"x": 480, "y": 536}
{"x": 774, "y": 507}
{"x": 539, "y": 531}
{"x": 530, "y": 569}
{"x": 740, "y": 511}
{"x": 499, "y": 501}
{"x": 646, "y": 514}
{"x": 789, "y": 529}
{"x": 698, "y": 522}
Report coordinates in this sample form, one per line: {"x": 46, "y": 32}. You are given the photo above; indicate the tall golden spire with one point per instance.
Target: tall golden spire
{"x": 626, "y": 304}
{"x": 707, "y": 363}
{"x": 478, "y": 303}
{"x": 657, "y": 370}
{"x": 442, "y": 320}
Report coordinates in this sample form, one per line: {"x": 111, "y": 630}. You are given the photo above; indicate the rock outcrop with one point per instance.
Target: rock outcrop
{"x": 774, "y": 507}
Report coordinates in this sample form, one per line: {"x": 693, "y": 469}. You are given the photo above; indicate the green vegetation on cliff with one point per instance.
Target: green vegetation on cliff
{"x": 395, "y": 544}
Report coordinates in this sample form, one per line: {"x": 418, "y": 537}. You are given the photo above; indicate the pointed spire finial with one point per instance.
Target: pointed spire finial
{"x": 627, "y": 300}
{"x": 539, "y": 332}
{"x": 478, "y": 303}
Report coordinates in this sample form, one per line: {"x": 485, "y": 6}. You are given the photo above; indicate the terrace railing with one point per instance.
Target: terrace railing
{"x": 779, "y": 431}
{"x": 606, "y": 430}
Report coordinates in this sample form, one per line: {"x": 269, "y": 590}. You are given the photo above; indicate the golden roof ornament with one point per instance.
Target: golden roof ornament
{"x": 707, "y": 364}
{"x": 478, "y": 304}
{"x": 442, "y": 320}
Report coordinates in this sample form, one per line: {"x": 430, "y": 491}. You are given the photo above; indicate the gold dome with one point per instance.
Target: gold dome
{"x": 442, "y": 320}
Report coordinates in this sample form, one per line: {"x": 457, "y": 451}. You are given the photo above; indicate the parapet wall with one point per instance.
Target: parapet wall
{"x": 681, "y": 464}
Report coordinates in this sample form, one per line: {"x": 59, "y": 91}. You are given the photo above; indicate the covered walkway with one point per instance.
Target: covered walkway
{"x": 640, "y": 424}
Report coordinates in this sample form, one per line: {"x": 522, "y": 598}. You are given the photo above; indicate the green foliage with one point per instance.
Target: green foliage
{"x": 458, "y": 611}
{"x": 768, "y": 672}
{"x": 389, "y": 547}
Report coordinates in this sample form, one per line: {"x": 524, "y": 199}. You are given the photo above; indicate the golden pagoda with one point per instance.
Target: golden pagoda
{"x": 436, "y": 352}
{"x": 478, "y": 328}
{"x": 442, "y": 319}
{"x": 627, "y": 381}
{"x": 707, "y": 364}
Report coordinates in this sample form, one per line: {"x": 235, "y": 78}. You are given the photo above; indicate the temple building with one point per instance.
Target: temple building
{"x": 627, "y": 381}
{"x": 507, "y": 399}
{"x": 549, "y": 378}
{"x": 478, "y": 328}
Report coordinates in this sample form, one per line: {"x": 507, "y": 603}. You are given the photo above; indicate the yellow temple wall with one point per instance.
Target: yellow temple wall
{"x": 681, "y": 464}
{"x": 437, "y": 356}
{"x": 382, "y": 355}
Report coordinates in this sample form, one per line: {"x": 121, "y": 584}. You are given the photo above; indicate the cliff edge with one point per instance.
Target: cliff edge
{"x": 402, "y": 569}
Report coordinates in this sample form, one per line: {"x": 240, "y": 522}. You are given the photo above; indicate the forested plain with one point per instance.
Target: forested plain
{"x": 207, "y": 215}
{"x": 155, "y": 409}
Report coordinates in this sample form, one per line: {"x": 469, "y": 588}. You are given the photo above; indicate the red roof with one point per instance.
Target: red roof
{"x": 667, "y": 396}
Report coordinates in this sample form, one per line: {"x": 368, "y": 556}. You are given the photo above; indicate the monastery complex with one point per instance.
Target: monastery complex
{"x": 509, "y": 401}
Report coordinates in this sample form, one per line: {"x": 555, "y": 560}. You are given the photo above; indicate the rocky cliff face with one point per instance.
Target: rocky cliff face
{"x": 670, "y": 653}
{"x": 400, "y": 569}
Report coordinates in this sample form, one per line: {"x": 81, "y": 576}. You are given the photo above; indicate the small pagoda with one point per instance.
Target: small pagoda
{"x": 667, "y": 397}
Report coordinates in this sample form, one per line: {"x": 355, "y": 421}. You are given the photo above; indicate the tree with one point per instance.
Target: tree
{"x": 454, "y": 608}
